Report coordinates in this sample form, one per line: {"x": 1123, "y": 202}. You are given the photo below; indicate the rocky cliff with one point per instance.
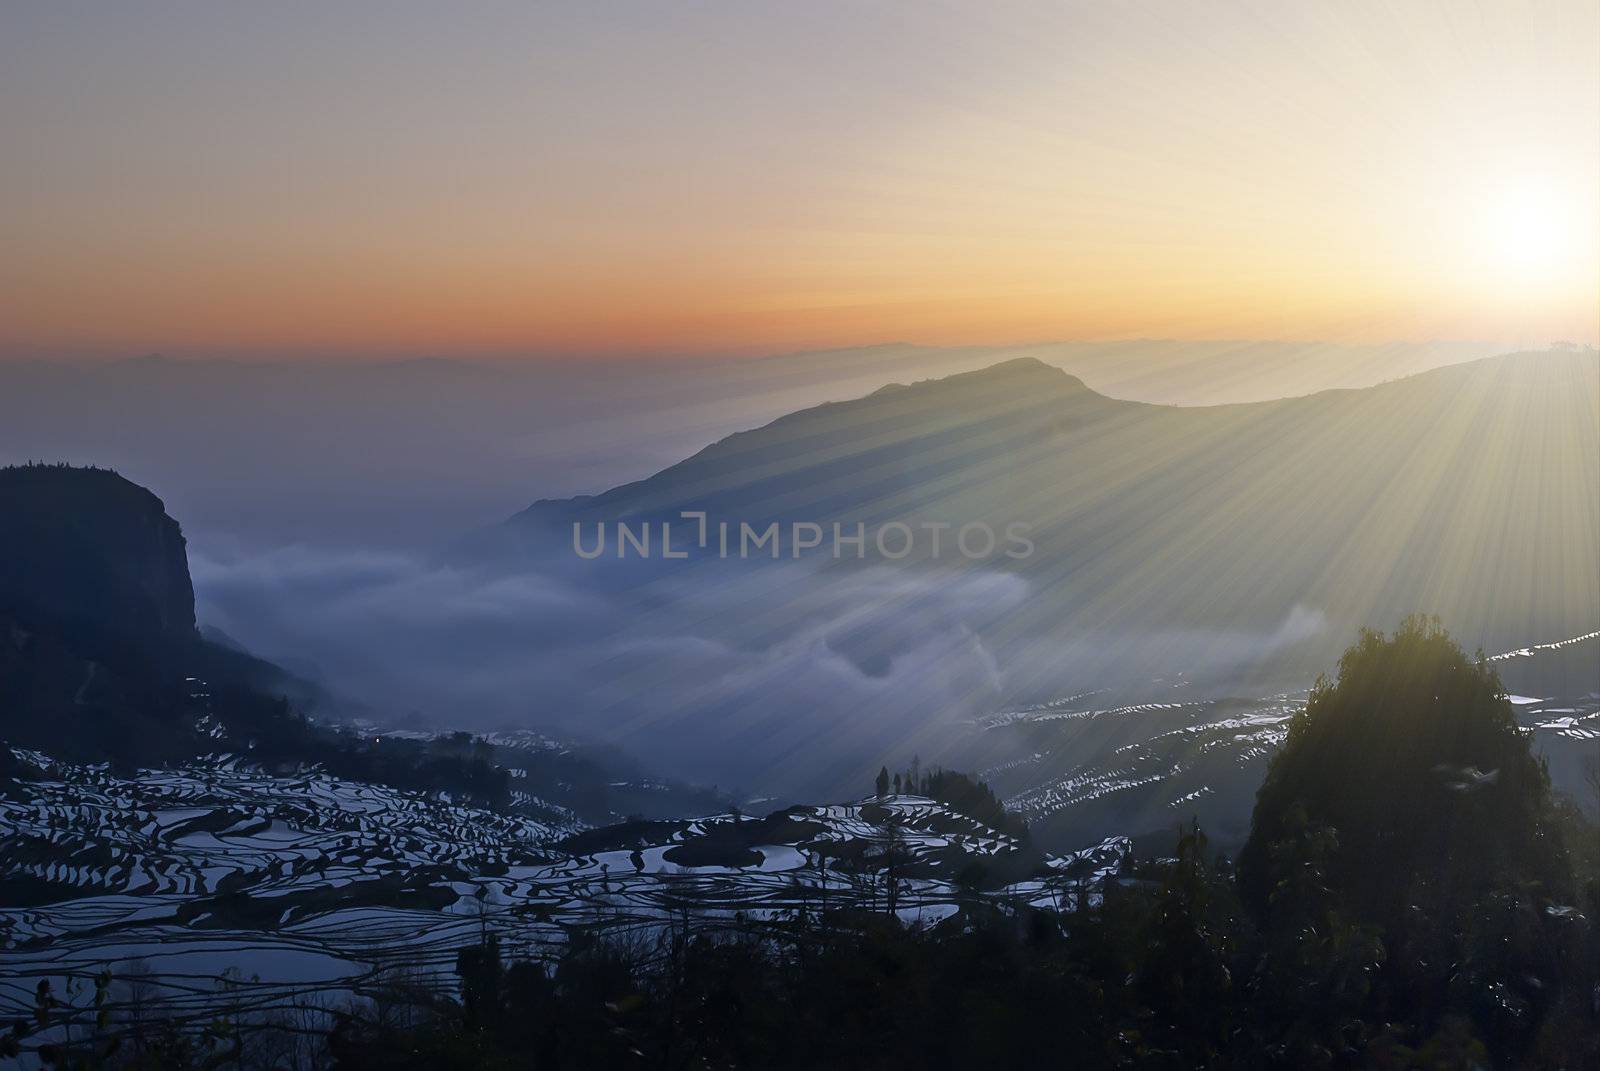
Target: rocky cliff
{"x": 87, "y": 553}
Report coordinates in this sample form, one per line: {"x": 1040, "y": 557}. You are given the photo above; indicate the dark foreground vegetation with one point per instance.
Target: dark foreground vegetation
{"x": 1413, "y": 895}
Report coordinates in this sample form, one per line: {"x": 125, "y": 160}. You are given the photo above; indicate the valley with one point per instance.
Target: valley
{"x": 217, "y": 883}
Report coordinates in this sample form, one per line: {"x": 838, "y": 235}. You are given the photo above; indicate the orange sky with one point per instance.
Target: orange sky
{"x": 498, "y": 180}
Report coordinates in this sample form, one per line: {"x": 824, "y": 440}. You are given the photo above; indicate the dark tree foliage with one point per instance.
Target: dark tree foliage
{"x": 1412, "y": 768}
{"x": 1406, "y": 860}
{"x": 960, "y": 792}
{"x": 1166, "y": 973}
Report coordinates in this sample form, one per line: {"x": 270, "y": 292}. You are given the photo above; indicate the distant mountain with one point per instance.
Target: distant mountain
{"x": 1472, "y": 491}
{"x": 257, "y": 453}
{"x": 906, "y": 447}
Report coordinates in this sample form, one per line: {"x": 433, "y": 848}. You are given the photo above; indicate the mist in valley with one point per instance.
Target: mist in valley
{"x": 335, "y": 514}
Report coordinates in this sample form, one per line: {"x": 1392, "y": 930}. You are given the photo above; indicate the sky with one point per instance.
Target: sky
{"x": 371, "y": 180}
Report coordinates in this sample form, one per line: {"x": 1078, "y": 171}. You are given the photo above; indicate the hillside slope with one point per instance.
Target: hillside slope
{"x": 1472, "y": 491}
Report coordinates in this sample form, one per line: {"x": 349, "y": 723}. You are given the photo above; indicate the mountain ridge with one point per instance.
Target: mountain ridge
{"x": 1039, "y": 371}
{"x": 1361, "y": 503}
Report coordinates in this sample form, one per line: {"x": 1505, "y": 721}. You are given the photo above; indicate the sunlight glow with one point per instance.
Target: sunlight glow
{"x": 1527, "y": 229}
{"x": 682, "y": 181}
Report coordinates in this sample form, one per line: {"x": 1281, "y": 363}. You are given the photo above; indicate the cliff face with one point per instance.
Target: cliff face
{"x": 97, "y": 630}
{"x": 94, "y": 557}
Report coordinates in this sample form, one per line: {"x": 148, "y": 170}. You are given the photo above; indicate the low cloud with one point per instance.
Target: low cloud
{"x": 777, "y": 678}
{"x": 787, "y": 679}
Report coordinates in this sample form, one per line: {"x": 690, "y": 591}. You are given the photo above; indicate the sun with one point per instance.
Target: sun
{"x": 1525, "y": 230}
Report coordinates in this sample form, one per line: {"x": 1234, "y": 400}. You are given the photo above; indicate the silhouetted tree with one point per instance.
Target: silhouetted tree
{"x": 1413, "y": 759}
{"x": 1404, "y": 857}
